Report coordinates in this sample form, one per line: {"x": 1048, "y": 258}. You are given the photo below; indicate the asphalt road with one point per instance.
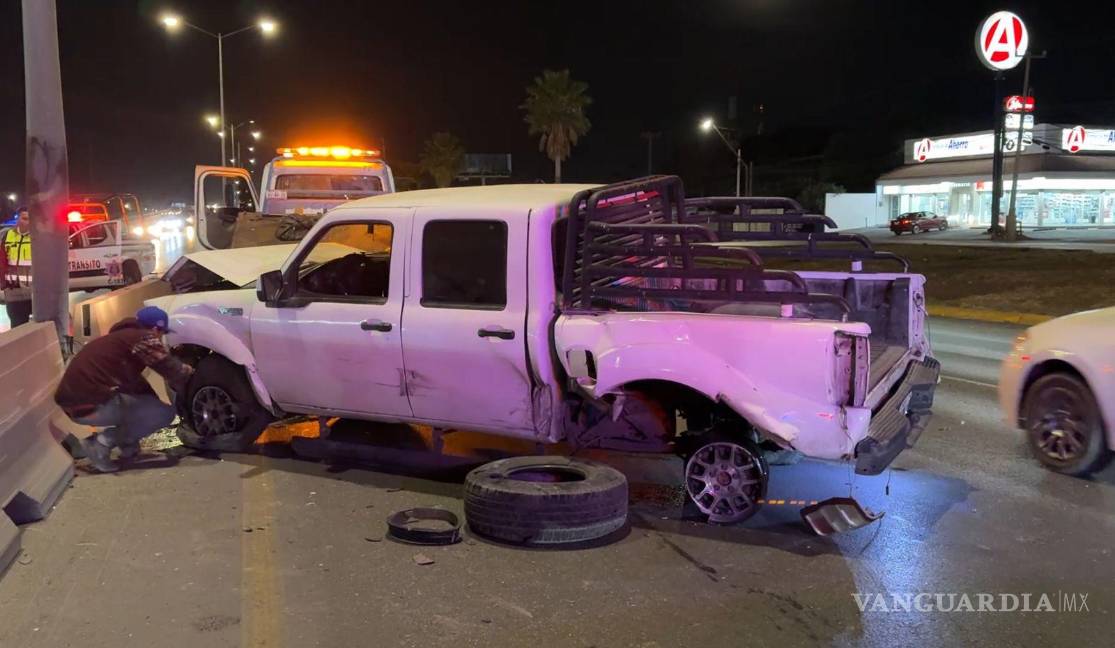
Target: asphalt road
{"x": 251, "y": 550}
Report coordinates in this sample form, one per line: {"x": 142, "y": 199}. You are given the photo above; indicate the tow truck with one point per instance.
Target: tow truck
{"x": 298, "y": 186}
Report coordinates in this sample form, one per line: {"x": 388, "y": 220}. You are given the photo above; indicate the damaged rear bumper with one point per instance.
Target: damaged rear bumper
{"x": 900, "y": 420}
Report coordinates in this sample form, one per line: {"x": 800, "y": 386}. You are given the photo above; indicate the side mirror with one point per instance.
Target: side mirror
{"x": 269, "y": 288}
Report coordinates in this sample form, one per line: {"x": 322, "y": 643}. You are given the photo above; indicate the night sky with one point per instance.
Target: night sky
{"x": 842, "y": 83}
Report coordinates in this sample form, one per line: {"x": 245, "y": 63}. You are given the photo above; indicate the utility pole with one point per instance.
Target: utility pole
{"x": 997, "y": 158}
{"x": 1012, "y": 216}
{"x": 650, "y": 136}
{"x": 47, "y": 167}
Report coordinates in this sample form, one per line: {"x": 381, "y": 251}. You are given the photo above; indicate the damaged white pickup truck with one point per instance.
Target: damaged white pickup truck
{"x": 620, "y": 316}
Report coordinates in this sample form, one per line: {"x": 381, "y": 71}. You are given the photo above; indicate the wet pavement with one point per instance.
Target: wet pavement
{"x": 253, "y": 550}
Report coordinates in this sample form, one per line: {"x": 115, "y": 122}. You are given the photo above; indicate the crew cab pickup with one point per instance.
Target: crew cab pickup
{"x": 608, "y": 316}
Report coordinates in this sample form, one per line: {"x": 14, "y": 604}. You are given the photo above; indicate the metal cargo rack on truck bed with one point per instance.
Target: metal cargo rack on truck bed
{"x": 782, "y": 220}
{"x": 635, "y": 246}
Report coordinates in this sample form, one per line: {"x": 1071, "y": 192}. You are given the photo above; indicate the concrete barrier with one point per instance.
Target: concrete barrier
{"x": 34, "y": 467}
{"x": 93, "y": 318}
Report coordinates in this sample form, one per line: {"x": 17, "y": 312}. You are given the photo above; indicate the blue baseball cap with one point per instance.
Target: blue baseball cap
{"x": 154, "y": 317}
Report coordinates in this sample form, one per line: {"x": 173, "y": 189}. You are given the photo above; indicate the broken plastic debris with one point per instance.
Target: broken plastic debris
{"x": 423, "y": 559}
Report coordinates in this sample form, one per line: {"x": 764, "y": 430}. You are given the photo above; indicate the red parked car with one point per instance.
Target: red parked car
{"x": 918, "y": 222}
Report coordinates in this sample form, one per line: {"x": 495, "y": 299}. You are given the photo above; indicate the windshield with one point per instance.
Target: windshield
{"x": 312, "y": 185}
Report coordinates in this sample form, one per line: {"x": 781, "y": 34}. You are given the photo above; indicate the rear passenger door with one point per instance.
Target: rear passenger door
{"x": 464, "y": 320}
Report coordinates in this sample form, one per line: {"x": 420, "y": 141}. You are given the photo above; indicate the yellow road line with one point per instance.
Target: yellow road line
{"x": 985, "y": 315}
{"x": 260, "y": 589}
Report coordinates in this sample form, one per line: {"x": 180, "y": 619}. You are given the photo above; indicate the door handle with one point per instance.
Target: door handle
{"x": 375, "y": 325}
{"x": 497, "y": 331}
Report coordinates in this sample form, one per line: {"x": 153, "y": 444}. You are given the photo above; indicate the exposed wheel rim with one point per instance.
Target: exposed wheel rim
{"x": 1061, "y": 425}
{"x": 214, "y": 412}
{"x": 725, "y": 480}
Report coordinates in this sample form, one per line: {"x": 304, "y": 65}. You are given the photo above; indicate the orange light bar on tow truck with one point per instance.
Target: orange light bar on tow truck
{"x": 327, "y": 152}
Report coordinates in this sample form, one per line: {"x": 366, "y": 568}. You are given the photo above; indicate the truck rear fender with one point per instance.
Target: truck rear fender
{"x": 770, "y": 384}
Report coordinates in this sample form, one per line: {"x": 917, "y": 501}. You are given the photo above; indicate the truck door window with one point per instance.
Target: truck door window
{"x": 348, "y": 262}
{"x": 82, "y": 236}
{"x": 225, "y": 196}
{"x": 464, "y": 265}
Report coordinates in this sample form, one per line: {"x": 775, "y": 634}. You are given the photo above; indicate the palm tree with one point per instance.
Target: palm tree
{"x": 555, "y": 109}
{"x": 442, "y": 157}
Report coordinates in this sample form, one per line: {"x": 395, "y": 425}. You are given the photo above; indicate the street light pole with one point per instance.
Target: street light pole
{"x": 709, "y": 124}
{"x": 267, "y": 26}
{"x": 221, "y": 82}
{"x": 738, "y": 153}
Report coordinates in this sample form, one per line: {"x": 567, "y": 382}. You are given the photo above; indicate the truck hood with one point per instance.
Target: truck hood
{"x": 240, "y": 266}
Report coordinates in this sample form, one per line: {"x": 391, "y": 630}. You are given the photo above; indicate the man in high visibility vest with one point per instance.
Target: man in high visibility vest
{"x": 15, "y": 269}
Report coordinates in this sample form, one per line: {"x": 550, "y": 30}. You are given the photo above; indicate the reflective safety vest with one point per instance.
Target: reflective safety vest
{"x": 17, "y": 247}
{"x": 17, "y": 251}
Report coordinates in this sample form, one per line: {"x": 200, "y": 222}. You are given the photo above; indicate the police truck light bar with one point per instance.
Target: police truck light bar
{"x": 321, "y": 152}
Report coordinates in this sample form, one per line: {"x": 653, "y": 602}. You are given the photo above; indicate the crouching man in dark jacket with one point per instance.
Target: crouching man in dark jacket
{"x": 103, "y": 386}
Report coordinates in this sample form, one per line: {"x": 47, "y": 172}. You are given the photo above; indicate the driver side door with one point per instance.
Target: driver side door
{"x": 220, "y": 194}
{"x": 334, "y": 346}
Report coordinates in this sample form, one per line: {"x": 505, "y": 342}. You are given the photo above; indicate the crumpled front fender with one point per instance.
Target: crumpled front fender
{"x": 194, "y": 324}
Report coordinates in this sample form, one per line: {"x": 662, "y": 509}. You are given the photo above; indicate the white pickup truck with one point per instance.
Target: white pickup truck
{"x": 608, "y": 316}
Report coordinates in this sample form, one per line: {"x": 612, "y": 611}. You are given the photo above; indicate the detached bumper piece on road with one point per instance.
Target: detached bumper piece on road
{"x": 547, "y": 501}
{"x": 837, "y": 515}
{"x": 900, "y": 420}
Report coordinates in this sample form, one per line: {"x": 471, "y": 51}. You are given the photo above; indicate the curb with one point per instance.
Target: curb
{"x": 984, "y": 315}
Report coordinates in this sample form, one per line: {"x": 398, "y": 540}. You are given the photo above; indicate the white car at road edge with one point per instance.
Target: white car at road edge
{"x": 1058, "y": 385}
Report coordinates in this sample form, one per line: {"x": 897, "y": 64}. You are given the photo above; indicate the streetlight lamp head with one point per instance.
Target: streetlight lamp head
{"x": 707, "y": 124}
{"x": 12, "y": 197}
{"x": 221, "y": 134}
{"x": 256, "y": 135}
{"x": 268, "y": 26}
{"x": 170, "y": 21}
{"x": 213, "y": 120}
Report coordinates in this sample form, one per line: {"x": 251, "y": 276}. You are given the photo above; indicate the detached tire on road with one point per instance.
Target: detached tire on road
{"x": 221, "y": 410}
{"x": 548, "y": 500}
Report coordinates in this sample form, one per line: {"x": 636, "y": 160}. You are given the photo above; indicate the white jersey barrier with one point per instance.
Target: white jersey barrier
{"x": 92, "y": 318}
{"x": 34, "y": 467}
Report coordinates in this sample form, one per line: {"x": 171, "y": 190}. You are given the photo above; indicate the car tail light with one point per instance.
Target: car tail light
{"x": 74, "y": 217}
